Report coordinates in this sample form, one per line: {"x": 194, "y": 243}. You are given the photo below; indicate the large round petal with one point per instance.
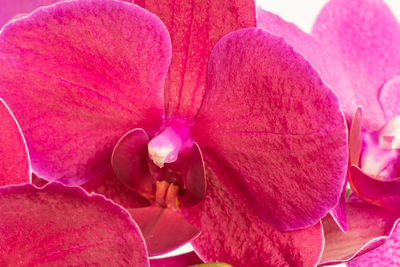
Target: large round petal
{"x": 363, "y": 39}
{"x": 14, "y": 160}
{"x": 232, "y": 232}
{"x": 195, "y": 26}
{"x": 386, "y": 255}
{"x": 61, "y": 226}
{"x": 80, "y": 74}
{"x": 276, "y": 128}
{"x": 369, "y": 227}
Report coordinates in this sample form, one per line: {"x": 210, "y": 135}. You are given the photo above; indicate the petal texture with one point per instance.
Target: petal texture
{"x": 76, "y": 91}
{"x": 363, "y": 39}
{"x": 369, "y": 227}
{"x": 386, "y": 255}
{"x": 195, "y": 26}
{"x": 61, "y": 226}
{"x": 231, "y": 232}
{"x": 389, "y": 98}
{"x": 269, "y": 119}
{"x": 14, "y": 159}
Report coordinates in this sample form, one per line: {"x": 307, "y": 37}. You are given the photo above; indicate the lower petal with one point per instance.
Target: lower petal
{"x": 183, "y": 260}
{"x": 14, "y": 160}
{"x": 232, "y": 232}
{"x": 63, "y": 226}
{"x": 368, "y": 226}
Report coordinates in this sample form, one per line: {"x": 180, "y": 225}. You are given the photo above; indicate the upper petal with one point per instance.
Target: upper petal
{"x": 232, "y": 232}
{"x": 61, "y": 226}
{"x": 80, "y": 74}
{"x": 276, "y": 128}
{"x": 195, "y": 26}
{"x": 363, "y": 40}
{"x": 369, "y": 227}
{"x": 14, "y": 160}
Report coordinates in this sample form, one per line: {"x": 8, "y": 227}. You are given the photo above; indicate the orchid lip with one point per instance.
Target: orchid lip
{"x": 166, "y": 146}
{"x": 389, "y": 137}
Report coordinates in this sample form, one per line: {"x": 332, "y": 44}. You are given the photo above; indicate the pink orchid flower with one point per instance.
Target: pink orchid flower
{"x": 57, "y": 225}
{"x": 354, "y": 45}
{"x": 239, "y": 141}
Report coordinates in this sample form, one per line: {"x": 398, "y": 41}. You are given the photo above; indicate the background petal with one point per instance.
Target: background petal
{"x": 386, "y": 255}
{"x": 76, "y": 91}
{"x": 275, "y": 127}
{"x": 363, "y": 40}
{"x": 389, "y": 98}
{"x": 195, "y": 26}
{"x": 14, "y": 159}
{"x": 232, "y": 232}
{"x": 369, "y": 226}
{"x": 61, "y": 226}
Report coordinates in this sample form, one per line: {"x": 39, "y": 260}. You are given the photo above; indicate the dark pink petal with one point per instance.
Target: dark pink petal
{"x": 278, "y": 131}
{"x": 363, "y": 39}
{"x": 389, "y": 98}
{"x": 183, "y": 260}
{"x": 195, "y": 180}
{"x": 76, "y": 91}
{"x": 163, "y": 229}
{"x": 383, "y": 193}
{"x": 14, "y": 160}
{"x": 129, "y": 162}
{"x": 369, "y": 226}
{"x": 195, "y": 26}
{"x": 61, "y": 226}
{"x": 232, "y": 232}
{"x": 386, "y": 255}
{"x": 108, "y": 185}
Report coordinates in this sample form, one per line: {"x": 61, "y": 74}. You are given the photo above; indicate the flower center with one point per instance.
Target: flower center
{"x": 166, "y": 146}
{"x": 389, "y": 137}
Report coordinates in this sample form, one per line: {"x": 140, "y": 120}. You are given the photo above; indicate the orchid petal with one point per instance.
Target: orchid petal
{"x": 195, "y": 26}
{"x": 61, "y": 226}
{"x": 14, "y": 159}
{"x": 232, "y": 232}
{"x": 163, "y": 229}
{"x": 73, "y": 94}
{"x": 369, "y": 227}
{"x": 276, "y": 126}
{"x": 383, "y": 193}
{"x": 363, "y": 38}
{"x": 195, "y": 181}
{"x": 389, "y": 98}
{"x": 385, "y": 255}
{"x": 183, "y": 260}
{"x": 108, "y": 185}
{"x": 339, "y": 213}
{"x": 355, "y": 138}
{"x": 129, "y": 161}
